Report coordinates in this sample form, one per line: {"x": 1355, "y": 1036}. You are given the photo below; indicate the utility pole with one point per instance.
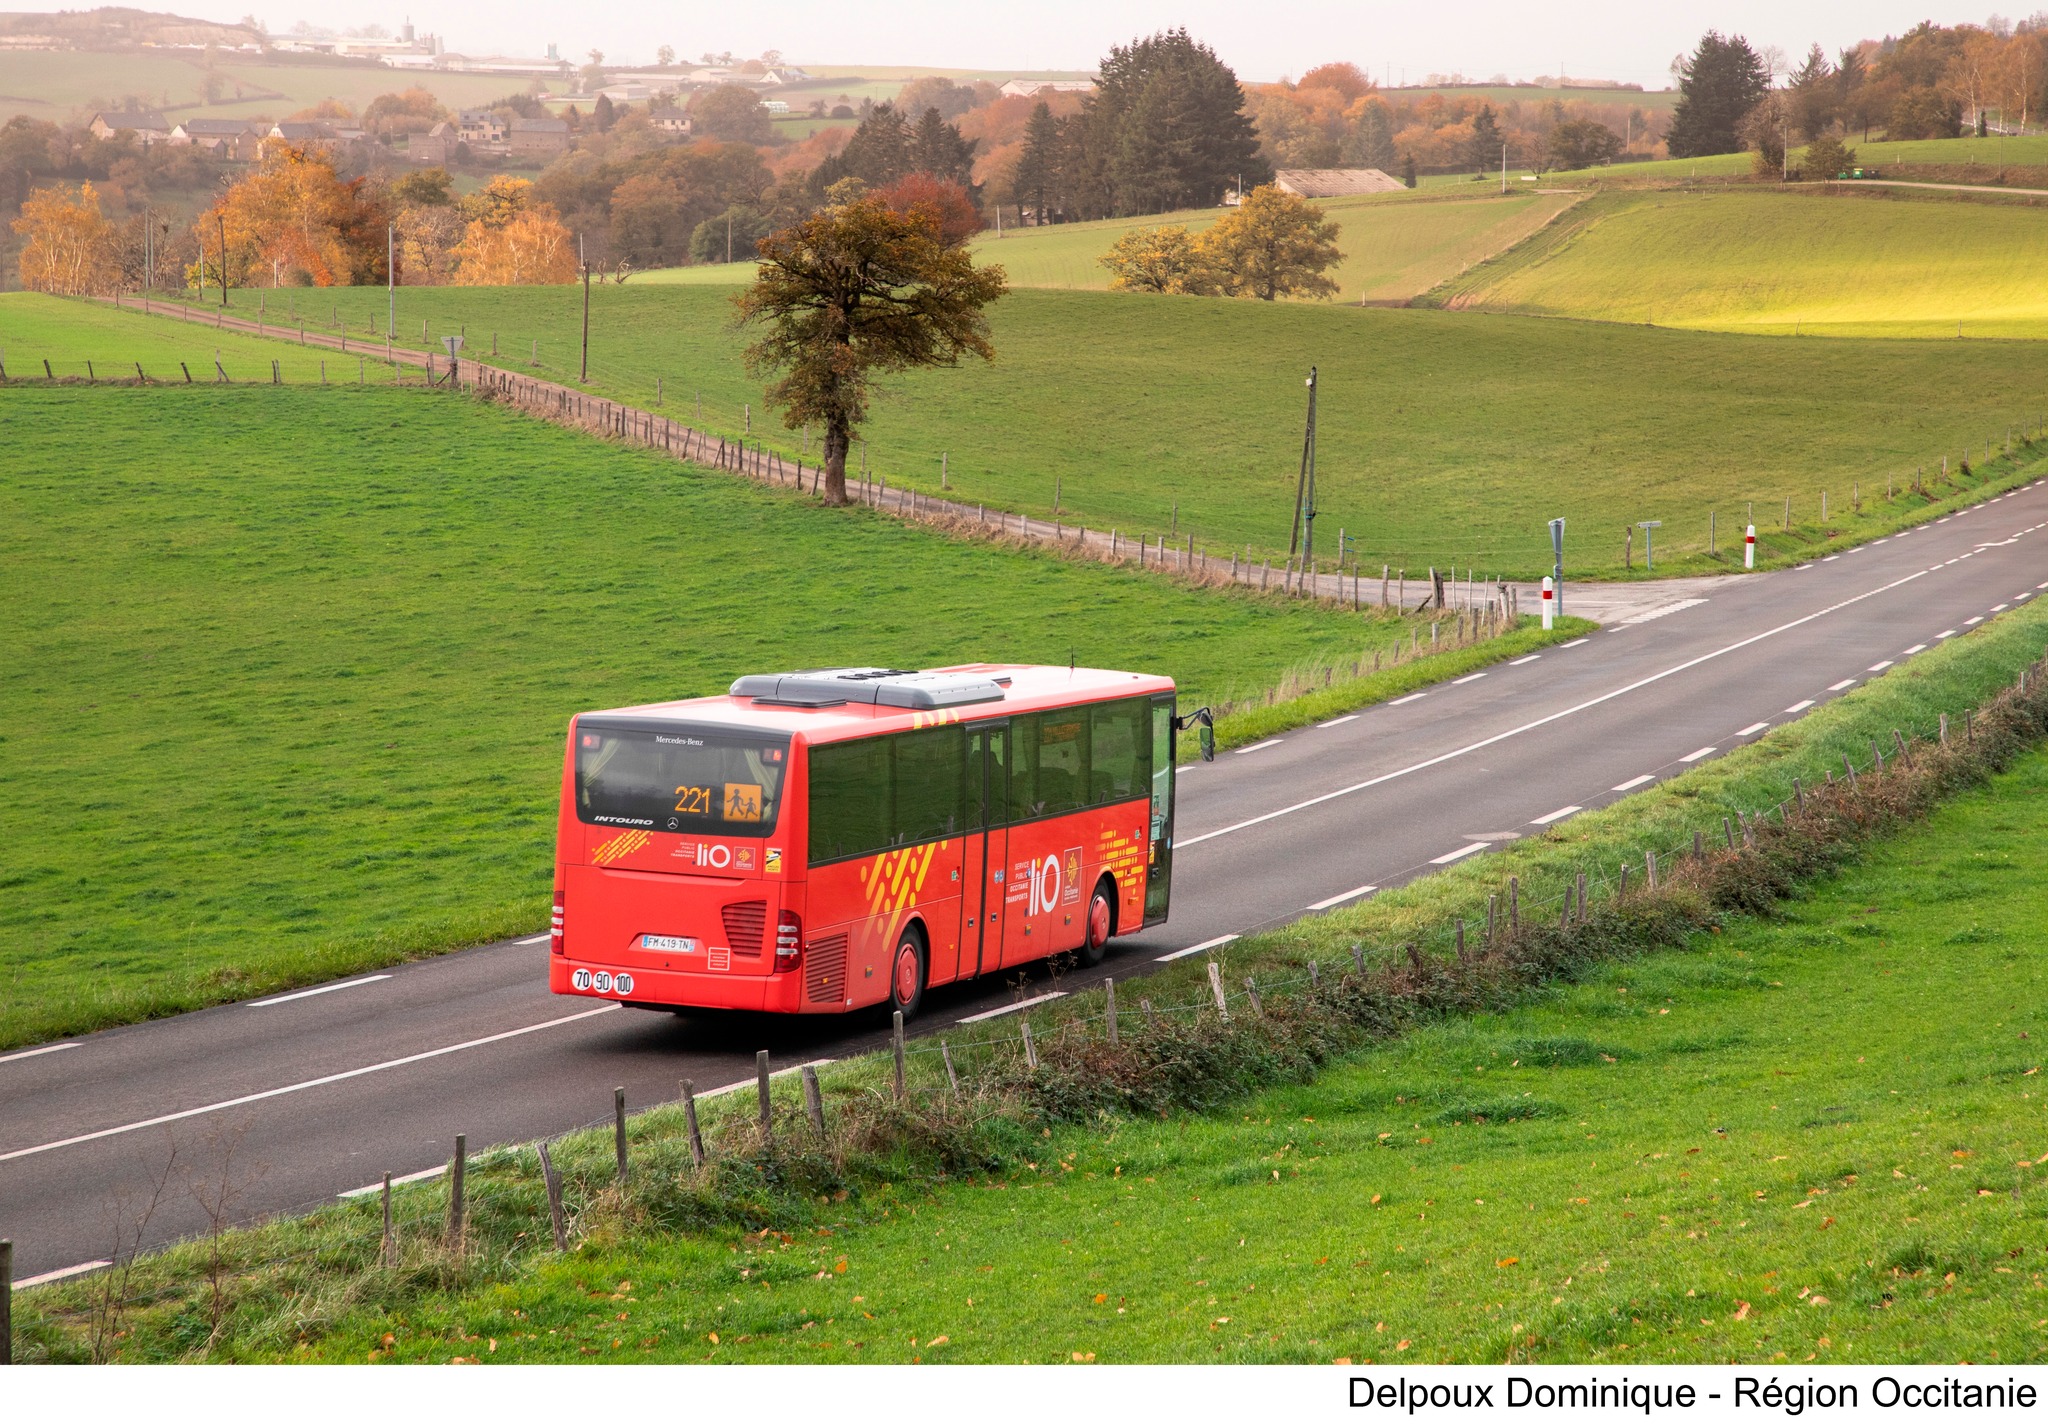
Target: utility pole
{"x": 728, "y": 235}
{"x": 1302, "y": 537}
{"x": 584, "y": 375}
{"x": 1503, "y": 168}
{"x": 390, "y": 277}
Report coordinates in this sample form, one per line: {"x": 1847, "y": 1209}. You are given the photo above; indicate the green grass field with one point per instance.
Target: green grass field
{"x": 1445, "y": 438}
{"x": 278, "y": 707}
{"x": 60, "y": 85}
{"x": 2029, "y": 150}
{"x": 1395, "y": 245}
{"x": 1780, "y": 262}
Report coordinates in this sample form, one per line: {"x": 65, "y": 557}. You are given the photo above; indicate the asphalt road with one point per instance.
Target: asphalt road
{"x": 324, "y": 1090}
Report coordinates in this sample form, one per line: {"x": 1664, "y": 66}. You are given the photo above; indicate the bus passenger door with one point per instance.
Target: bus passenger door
{"x": 984, "y": 848}
{"x": 1159, "y": 869}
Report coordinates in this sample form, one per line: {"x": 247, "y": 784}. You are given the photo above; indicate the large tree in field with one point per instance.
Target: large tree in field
{"x": 854, "y": 292}
{"x": 295, "y": 219}
{"x": 1273, "y": 244}
{"x": 1165, "y": 128}
{"x": 1718, "y": 84}
{"x": 1037, "y": 179}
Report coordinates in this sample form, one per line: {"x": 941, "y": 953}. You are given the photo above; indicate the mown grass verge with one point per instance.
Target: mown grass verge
{"x": 747, "y": 1257}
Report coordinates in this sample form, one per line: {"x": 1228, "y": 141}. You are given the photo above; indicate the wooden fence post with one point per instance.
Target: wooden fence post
{"x": 690, "y": 1123}
{"x": 1216, "y": 989}
{"x": 1109, "y": 993}
{"x": 814, "y": 1101}
{"x": 1151, "y": 1019}
{"x": 1358, "y": 958}
{"x": 1650, "y": 868}
{"x": 1251, "y": 989}
{"x": 456, "y": 1171}
{"x": 552, "y": 1181}
{"x": 952, "y": 1078}
{"x": 1315, "y": 979}
{"x": 6, "y": 1302}
{"x": 1582, "y": 897}
{"x": 761, "y": 1084}
{"x": 1514, "y": 905}
{"x": 619, "y": 1129}
{"x": 1030, "y": 1050}
{"x": 896, "y": 1045}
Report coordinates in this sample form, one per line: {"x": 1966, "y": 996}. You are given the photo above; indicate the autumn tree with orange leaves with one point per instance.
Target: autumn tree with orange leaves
{"x": 513, "y": 239}
{"x": 69, "y": 247}
{"x": 295, "y": 222}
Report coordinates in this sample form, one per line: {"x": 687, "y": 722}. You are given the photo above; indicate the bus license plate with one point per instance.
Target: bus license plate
{"x": 681, "y": 944}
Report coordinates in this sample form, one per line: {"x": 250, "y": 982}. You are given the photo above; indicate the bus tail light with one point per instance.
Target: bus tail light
{"x": 555, "y": 946}
{"x": 789, "y": 941}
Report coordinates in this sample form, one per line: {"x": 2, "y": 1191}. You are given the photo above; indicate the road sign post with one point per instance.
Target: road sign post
{"x": 1557, "y": 562}
{"x": 454, "y": 344}
{"x": 1649, "y": 542}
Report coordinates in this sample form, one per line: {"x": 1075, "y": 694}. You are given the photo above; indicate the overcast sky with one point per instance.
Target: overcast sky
{"x": 1626, "y": 40}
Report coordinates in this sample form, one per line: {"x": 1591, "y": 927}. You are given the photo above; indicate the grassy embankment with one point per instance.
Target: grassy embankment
{"x": 290, "y": 666}
{"x": 1395, "y": 245}
{"x": 1445, "y": 438}
{"x": 1992, "y": 153}
{"x": 1784, "y": 262}
{"x": 1815, "y": 1135}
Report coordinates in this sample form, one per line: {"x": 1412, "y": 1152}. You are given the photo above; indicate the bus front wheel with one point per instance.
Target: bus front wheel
{"x": 907, "y": 973}
{"x": 1101, "y": 923}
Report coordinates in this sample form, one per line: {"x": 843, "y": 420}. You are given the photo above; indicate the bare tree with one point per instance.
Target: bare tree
{"x": 217, "y": 1195}
{"x": 130, "y": 1213}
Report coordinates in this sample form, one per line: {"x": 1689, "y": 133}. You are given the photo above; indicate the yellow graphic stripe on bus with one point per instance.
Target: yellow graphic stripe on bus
{"x": 933, "y": 719}
{"x": 622, "y": 845}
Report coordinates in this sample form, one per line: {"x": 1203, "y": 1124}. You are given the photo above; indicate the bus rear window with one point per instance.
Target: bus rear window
{"x": 697, "y": 779}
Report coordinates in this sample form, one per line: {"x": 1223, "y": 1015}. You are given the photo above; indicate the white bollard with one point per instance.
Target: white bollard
{"x": 1749, "y": 548}
{"x": 1549, "y": 601}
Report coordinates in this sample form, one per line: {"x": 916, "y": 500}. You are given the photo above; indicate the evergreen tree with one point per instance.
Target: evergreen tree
{"x": 1815, "y": 95}
{"x": 1165, "y": 127}
{"x": 1370, "y": 144}
{"x": 1037, "y": 176}
{"x": 937, "y": 148}
{"x": 1483, "y": 152}
{"x": 879, "y": 153}
{"x": 602, "y": 114}
{"x": 1718, "y": 83}
{"x": 1408, "y": 169}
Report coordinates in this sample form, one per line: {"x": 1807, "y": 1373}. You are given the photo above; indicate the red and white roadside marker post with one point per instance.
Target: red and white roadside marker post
{"x": 1549, "y": 602}
{"x": 1749, "y": 548}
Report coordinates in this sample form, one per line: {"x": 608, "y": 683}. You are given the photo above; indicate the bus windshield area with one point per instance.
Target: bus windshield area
{"x": 679, "y": 778}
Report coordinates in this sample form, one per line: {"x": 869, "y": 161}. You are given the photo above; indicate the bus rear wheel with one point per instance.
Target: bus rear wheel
{"x": 1101, "y": 923}
{"x": 908, "y": 970}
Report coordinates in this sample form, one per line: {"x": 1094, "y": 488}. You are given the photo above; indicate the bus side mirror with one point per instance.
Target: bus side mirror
{"x": 1208, "y": 739}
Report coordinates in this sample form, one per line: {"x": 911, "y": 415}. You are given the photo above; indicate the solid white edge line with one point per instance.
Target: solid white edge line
{"x": 1549, "y": 718}
{"x": 31, "y": 1053}
{"x": 1259, "y": 746}
{"x": 1339, "y": 721}
{"x": 1010, "y": 1008}
{"x": 1559, "y": 815}
{"x": 419, "y": 1177}
{"x": 61, "y": 1273}
{"x": 1633, "y": 782}
{"x": 1801, "y": 706}
{"x": 1194, "y": 949}
{"x": 1460, "y": 854}
{"x": 1695, "y": 756}
{"x": 1516, "y": 663}
{"x": 1754, "y": 727}
{"x": 344, "y": 1075}
{"x": 1347, "y": 896}
{"x": 318, "y": 990}
{"x": 534, "y": 939}
{"x": 1409, "y": 699}
{"x": 1468, "y": 678}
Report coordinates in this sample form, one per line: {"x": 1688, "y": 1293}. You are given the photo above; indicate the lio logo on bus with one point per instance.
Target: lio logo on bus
{"x": 1053, "y": 881}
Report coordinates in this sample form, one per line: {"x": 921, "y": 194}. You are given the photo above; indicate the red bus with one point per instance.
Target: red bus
{"x": 818, "y": 842}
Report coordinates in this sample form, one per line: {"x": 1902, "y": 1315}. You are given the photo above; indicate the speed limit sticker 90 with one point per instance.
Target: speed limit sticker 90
{"x": 603, "y": 982}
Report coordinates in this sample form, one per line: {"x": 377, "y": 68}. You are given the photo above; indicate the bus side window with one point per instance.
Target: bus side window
{"x": 927, "y": 778}
{"x": 1116, "y": 755}
{"x": 1025, "y": 801}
